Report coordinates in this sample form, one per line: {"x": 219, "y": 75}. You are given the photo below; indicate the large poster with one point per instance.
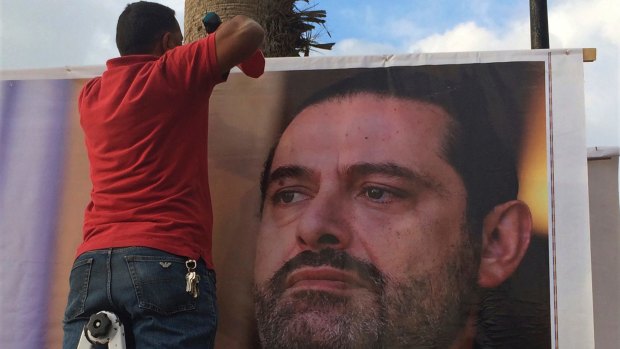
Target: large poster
{"x": 399, "y": 201}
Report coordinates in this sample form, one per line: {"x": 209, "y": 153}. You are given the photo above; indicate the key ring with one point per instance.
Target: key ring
{"x": 190, "y": 264}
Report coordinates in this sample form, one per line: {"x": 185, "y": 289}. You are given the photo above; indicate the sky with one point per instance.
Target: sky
{"x": 57, "y": 33}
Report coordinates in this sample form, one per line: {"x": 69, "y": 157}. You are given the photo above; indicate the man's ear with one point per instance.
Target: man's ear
{"x": 167, "y": 42}
{"x": 159, "y": 48}
{"x": 506, "y": 233}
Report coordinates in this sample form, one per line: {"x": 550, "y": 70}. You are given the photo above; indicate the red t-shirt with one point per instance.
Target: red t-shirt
{"x": 145, "y": 122}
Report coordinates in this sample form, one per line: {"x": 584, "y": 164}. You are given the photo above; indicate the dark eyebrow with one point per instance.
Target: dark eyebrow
{"x": 289, "y": 171}
{"x": 394, "y": 170}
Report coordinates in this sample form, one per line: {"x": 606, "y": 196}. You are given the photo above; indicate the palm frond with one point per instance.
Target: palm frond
{"x": 293, "y": 29}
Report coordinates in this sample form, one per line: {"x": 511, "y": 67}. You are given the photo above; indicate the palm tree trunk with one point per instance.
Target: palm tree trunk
{"x": 226, "y": 9}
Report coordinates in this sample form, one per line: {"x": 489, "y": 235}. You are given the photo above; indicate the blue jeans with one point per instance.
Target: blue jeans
{"x": 145, "y": 288}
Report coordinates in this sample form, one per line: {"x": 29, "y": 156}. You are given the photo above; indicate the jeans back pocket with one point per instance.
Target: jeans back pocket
{"x": 159, "y": 282}
{"x": 78, "y": 288}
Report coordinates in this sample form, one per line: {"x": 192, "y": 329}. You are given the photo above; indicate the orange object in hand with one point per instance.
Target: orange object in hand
{"x": 254, "y": 66}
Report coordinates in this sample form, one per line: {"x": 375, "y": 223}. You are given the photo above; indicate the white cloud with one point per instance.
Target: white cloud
{"x": 103, "y": 45}
{"x": 577, "y": 22}
{"x": 594, "y": 24}
{"x": 470, "y": 37}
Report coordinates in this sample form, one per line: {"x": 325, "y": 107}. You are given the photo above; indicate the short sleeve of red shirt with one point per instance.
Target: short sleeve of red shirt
{"x": 186, "y": 64}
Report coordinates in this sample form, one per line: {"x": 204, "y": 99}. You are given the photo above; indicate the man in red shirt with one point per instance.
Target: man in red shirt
{"x": 146, "y": 254}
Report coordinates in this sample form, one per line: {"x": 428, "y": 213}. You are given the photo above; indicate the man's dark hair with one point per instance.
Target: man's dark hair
{"x": 141, "y": 25}
{"x": 471, "y": 144}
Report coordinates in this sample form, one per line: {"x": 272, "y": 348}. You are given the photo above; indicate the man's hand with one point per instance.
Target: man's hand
{"x": 211, "y": 21}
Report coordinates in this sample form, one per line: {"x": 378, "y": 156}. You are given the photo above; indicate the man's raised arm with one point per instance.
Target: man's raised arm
{"x": 236, "y": 40}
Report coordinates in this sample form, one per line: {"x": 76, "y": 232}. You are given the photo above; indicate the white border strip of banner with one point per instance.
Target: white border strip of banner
{"x": 570, "y": 211}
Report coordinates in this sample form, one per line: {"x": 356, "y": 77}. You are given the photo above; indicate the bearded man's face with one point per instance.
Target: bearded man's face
{"x": 363, "y": 241}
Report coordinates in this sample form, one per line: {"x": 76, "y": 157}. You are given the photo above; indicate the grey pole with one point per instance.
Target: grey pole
{"x": 539, "y": 27}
